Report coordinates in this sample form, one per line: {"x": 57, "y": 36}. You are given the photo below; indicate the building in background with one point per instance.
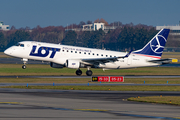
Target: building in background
{"x": 3, "y": 27}
{"x": 94, "y": 27}
{"x": 175, "y": 30}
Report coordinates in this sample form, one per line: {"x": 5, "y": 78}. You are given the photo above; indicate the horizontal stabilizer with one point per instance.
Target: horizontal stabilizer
{"x": 164, "y": 61}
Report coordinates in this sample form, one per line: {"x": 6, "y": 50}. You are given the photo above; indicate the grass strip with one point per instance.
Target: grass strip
{"x": 33, "y": 69}
{"x": 172, "y": 100}
{"x": 103, "y": 88}
{"x": 44, "y": 80}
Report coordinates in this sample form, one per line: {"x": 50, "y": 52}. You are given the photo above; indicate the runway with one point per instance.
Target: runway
{"x": 25, "y": 104}
{"x": 39, "y": 104}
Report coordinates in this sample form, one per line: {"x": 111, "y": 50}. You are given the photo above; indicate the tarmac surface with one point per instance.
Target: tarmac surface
{"x": 26, "y": 104}
{"x": 37, "y": 104}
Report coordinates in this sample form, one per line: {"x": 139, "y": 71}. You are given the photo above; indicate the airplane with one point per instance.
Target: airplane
{"x": 74, "y": 57}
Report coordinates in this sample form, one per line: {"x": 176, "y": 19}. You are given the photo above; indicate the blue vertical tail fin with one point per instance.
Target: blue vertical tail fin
{"x": 155, "y": 47}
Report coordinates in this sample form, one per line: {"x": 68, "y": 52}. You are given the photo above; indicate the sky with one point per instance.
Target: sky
{"x": 22, "y": 13}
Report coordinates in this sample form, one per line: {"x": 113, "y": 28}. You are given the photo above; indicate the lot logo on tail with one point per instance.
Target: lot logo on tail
{"x": 157, "y": 44}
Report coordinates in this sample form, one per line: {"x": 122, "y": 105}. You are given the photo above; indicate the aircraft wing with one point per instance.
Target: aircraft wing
{"x": 164, "y": 61}
{"x": 97, "y": 61}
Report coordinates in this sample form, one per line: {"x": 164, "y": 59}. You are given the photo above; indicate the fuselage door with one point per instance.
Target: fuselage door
{"x": 129, "y": 60}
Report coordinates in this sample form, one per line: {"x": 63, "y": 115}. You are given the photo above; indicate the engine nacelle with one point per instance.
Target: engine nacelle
{"x": 55, "y": 65}
{"x": 72, "y": 64}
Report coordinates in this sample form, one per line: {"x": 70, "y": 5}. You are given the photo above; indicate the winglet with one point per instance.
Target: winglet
{"x": 127, "y": 55}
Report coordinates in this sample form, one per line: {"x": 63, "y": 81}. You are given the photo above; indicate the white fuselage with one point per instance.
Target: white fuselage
{"x": 57, "y": 53}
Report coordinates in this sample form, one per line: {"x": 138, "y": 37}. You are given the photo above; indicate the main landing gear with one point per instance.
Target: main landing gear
{"x": 88, "y": 72}
{"x": 78, "y": 72}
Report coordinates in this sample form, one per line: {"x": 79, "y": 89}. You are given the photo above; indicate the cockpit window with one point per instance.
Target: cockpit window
{"x": 22, "y": 45}
{"x": 19, "y": 44}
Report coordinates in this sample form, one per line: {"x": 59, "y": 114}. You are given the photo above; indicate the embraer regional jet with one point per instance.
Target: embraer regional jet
{"x": 61, "y": 56}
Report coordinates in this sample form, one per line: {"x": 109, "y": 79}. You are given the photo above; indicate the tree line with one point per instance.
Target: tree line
{"x": 123, "y": 38}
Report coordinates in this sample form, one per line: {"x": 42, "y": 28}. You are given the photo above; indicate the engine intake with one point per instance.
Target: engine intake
{"x": 72, "y": 64}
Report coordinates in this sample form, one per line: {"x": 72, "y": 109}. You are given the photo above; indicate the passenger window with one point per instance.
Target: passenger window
{"x": 97, "y": 54}
{"x": 89, "y": 53}
{"x": 106, "y": 55}
{"x": 93, "y": 54}
{"x": 75, "y": 51}
{"x": 84, "y": 52}
{"x": 79, "y": 52}
{"x": 114, "y": 56}
{"x": 71, "y": 51}
{"x": 63, "y": 50}
{"x": 110, "y": 55}
{"x": 67, "y": 51}
{"x": 101, "y": 54}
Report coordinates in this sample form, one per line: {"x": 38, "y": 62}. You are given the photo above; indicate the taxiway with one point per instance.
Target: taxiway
{"x": 26, "y": 104}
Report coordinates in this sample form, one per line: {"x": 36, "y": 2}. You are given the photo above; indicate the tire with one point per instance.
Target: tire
{"x": 89, "y": 73}
{"x": 78, "y": 72}
{"x": 24, "y": 67}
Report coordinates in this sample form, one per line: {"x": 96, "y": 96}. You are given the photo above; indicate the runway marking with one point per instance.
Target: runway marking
{"x": 95, "y": 110}
{"x": 145, "y": 116}
{"x": 113, "y": 112}
{"x": 11, "y": 103}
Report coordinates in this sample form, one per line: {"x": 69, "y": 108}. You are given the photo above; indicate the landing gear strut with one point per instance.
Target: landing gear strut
{"x": 24, "y": 61}
{"x": 78, "y": 72}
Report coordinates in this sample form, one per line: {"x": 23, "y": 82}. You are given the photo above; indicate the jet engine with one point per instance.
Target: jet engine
{"x": 72, "y": 64}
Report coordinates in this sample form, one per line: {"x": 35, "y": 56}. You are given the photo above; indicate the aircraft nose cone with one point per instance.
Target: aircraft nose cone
{"x": 7, "y": 51}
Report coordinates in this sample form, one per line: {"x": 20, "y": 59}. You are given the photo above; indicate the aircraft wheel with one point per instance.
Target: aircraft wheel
{"x": 78, "y": 72}
{"x": 89, "y": 73}
{"x": 24, "y": 67}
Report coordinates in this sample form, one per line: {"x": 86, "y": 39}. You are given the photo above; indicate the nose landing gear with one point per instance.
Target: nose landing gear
{"x": 24, "y": 67}
{"x": 24, "y": 61}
